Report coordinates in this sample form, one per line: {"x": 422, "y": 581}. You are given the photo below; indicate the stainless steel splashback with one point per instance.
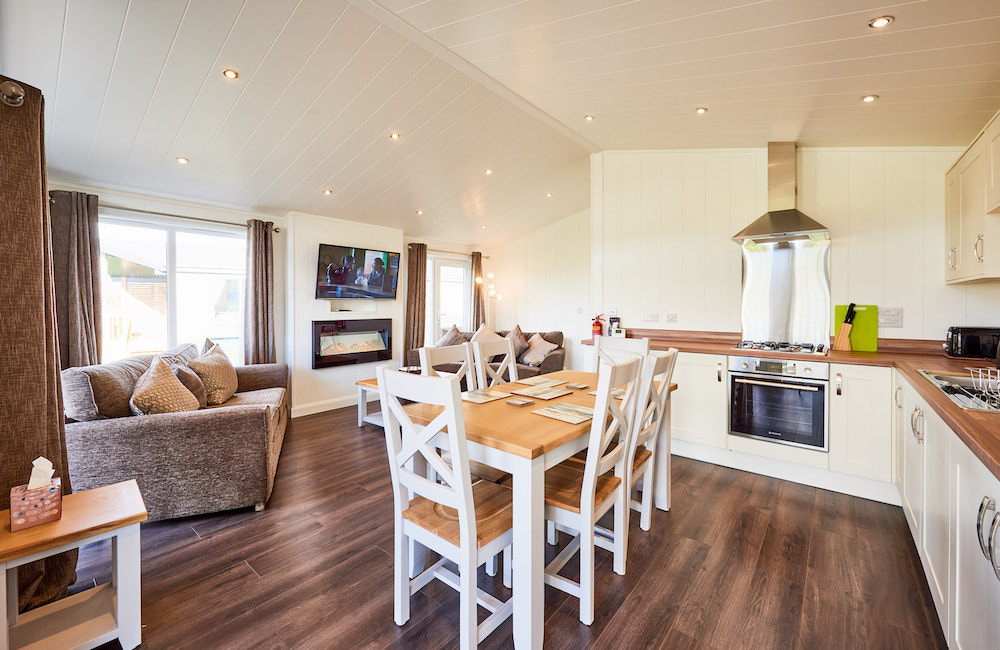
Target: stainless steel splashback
{"x": 786, "y": 291}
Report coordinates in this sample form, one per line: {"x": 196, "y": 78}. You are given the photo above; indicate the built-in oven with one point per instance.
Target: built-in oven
{"x": 780, "y": 400}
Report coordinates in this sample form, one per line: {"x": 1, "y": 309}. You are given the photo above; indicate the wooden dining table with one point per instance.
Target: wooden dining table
{"x": 525, "y": 444}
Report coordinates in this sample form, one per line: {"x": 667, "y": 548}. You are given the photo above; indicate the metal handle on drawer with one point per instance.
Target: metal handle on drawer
{"x": 993, "y": 544}
{"x": 720, "y": 372}
{"x": 758, "y": 382}
{"x": 920, "y": 429}
{"x": 987, "y": 504}
{"x": 951, "y": 258}
{"x": 913, "y": 423}
{"x": 976, "y": 247}
{"x": 840, "y": 384}
{"x": 899, "y": 390}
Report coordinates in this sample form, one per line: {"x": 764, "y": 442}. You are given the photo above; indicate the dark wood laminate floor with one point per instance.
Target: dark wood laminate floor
{"x": 741, "y": 561}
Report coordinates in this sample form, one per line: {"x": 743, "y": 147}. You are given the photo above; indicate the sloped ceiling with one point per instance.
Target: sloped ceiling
{"x": 470, "y": 86}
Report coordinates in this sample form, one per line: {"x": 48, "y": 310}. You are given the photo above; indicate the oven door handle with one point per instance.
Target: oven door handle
{"x": 757, "y": 382}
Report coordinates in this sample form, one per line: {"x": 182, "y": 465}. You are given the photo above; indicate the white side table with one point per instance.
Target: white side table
{"x": 97, "y": 615}
{"x": 366, "y": 386}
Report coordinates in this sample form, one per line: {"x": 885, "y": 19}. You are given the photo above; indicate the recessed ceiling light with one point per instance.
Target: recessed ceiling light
{"x": 881, "y": 21}
{"x": 181, "y": 160}
{"x": 589, "y": 118}
{"x": 394, "y": 135}
{"x": 328, "y": 192}
{"x": 548, "y": 195}
{"x": 701, "y": 110}
{"x": 868, "y": 99}
{"x": 229, "y": 73}
{"x": 419, "y": 212}
{"x": 488, "y": 172}
{"x": 483, "y": 226}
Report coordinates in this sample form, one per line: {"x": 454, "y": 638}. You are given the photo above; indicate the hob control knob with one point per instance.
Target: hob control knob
{"x": 809, "y": 371}
{"x": 744, "y": 365}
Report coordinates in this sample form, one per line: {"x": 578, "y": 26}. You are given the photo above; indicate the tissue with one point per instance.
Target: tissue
{"x": 41, "y": 473}
{"x": 38, "y": 502}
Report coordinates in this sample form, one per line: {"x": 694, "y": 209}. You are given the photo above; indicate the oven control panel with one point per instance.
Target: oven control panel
{"x": 781, "y": 367}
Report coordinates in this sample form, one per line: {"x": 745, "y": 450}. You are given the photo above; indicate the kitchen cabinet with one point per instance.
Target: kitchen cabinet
{"x": 861, "y": 421}
{"x": 974, "y": 586}
{"x": 911, "y": 471}
{"x": 935, "y": 542}
{"x": 991, "y": 140}
{"x": 702, "y": 415}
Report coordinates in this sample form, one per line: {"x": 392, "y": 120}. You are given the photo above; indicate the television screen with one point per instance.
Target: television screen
{"x": 348, "y": 272}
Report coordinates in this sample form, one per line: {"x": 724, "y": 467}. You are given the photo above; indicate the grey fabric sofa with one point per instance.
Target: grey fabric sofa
{"x": 217, "y": 458}
{"x": 554, "y": 361}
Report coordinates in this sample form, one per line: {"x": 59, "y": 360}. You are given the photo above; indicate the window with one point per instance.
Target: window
{"x": 164, "y": 282}
{"x": 449, "y": 295}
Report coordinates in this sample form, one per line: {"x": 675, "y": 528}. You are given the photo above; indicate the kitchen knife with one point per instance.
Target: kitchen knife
{"x": 843, "y": 340}
{"x": 851, "y": 313}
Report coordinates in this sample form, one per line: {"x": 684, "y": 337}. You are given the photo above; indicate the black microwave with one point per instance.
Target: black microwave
{"x": 973, "y": 342}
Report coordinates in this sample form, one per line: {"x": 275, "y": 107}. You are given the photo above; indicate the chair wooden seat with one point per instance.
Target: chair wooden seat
{"x": 480, "y": 470}
{"x": 641, "y": 456}
{"x": 493, "y": 514}
{"x": 564, "y": 485}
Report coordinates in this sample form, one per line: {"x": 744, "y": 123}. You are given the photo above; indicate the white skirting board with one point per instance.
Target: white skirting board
{"x": 325, "y": 405}
{"x": 816, "y": 477}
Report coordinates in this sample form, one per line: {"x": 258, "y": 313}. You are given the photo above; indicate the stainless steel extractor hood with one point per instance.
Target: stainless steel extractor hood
{"x": 782, "y": 221}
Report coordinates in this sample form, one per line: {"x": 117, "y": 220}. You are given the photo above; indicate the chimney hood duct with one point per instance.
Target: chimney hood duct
{"x": 782, "y": 221}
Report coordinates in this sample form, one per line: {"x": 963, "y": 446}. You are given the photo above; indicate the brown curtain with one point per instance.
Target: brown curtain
{"x": 258, "y": 308}
{"x": 478, "y": 298}
{"x": 31, "y": 399}
{"x": 416, "y": 297}
{"x": 76, "y": 262}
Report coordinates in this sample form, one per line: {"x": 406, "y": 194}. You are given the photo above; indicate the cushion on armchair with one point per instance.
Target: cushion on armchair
{"x": 538, "y": 349}
{"x": 217, "y": 373}
{"x": 160, "y": 391}
{"x": 451, "y": 337}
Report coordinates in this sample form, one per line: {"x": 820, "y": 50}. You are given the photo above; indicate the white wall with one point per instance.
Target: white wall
{"x": 323, "y": 389}
{"x": 662, "y": 223}
{"x": 544, "y": 277}
{"x": 176, "y": 207}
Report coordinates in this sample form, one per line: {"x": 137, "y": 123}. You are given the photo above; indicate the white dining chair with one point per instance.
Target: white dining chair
{"x": 484, "y": 351}
{"x": 431, "y": 358}
{"x": 578, "y": 492}
{"x": 613, "y": 349}
{"x": 651, "y": 404}
{"x": 466, "y": 523}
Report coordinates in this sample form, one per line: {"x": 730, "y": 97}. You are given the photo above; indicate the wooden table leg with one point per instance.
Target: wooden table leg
{"x": 125, "y": 576}
{"x": 529, "y": 552}
{"x": 661, "y": 464}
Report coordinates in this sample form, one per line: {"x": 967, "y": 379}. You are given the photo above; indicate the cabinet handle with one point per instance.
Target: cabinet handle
{"x": 951, "y": 258}
{"x": 977, "y": 248}
{"x": 899, "y": 389}
{"x": 913, "y": 423}
{"x": 840, "y": 384}
{"x": 987, "y": 504}
{"x": 720, "y": 372}
{"x": 993, "y": 544}
{"x": 920, "y": 429}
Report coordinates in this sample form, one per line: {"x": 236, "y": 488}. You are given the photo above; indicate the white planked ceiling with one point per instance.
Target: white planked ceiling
{"x": 500, "y": 84}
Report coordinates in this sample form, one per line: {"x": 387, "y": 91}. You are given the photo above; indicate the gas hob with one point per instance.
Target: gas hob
{"x": 774, "y": 346}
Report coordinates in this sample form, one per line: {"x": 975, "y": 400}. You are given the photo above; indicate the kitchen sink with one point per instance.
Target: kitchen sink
{"x": 979, "y": 394}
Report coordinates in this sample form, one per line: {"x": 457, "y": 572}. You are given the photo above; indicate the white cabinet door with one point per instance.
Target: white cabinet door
{"x": 900, "y": 428}
{"x": 912, "y": 493}
{"x": 861, "y": 421}
{"x": 992, "y": 140}
{"x": 972, "y": 579}
{"x": 935, "y": 548}
{"x": 952, "y": 223}
{"x": 698, "y": 409}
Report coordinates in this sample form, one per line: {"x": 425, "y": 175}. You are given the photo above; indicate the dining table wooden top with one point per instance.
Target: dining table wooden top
{"x": 517, "y": 429}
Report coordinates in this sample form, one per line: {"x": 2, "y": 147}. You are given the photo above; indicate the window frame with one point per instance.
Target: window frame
{"x": 435, "y": 261}
{"x": 171, "y": 226}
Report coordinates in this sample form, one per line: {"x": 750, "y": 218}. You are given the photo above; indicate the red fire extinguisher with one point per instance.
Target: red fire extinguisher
{"x": 597, "y": 329}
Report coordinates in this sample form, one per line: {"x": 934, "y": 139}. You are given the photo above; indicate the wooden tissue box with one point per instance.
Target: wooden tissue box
{"x": 32, "y": 507}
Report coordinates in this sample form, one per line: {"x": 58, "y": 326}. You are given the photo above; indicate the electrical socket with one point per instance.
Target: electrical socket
{"x": 890, "y": 317}
{"x": 671, "y": 318}
{"x": 650, "y": 317}
{"x": 612, "y": 312}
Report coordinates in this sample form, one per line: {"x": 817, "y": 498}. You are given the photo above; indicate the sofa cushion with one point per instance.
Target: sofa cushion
{"x": 451, "y": 337}
{"x": 273, "y": 397}
{"x": 485, "y": 335}
{"x": 180, "y": 355}
{"x": 520, "y": 342}
{"x": 102, "y": 391}
{"x": 217, "y": 373}
{"x": 192, "y": 382}
{"x": 160, "y": 391}
{"x": 538, "y": 349}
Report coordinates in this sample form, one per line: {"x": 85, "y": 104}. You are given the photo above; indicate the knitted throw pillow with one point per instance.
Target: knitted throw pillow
{"x": 159, "y": 391}
{"x": 217, "y": 373}
{"x": 538, "y": 349}
{"x": 485, "y": 335}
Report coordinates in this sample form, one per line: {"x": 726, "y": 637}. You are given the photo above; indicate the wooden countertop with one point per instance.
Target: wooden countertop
{"x": 979, "y": 431}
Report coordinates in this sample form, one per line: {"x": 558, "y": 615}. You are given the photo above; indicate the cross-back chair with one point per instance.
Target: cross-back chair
{"x": 484, "y": 352}
{"x": 461, "y": 354}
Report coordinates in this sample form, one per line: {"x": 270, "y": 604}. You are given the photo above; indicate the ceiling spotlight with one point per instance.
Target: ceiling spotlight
{"x": 881, "y": 21}
{"x": 701, "y": 110}
{"x": 394, "y": 136}
{"x": 420, "y": 212}
{"x": 589, "y": 118}
{"x": 548, "y": 195}
{"x": 328, "y": 192}
{"x": 181, "y": 160}
{"x": 483, "y": 226}
{"x": 229, "y": 73}
{"x": 488, "y": 172}
{"x": 868, "y": 99}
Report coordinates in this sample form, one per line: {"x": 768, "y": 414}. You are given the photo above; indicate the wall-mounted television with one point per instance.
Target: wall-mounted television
{"x": 351, "y": 272}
